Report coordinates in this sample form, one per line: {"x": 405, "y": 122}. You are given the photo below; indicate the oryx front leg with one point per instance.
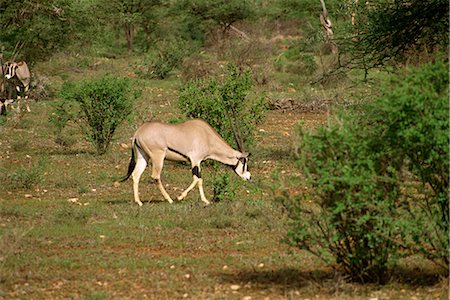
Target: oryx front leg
{"x": 157, "y": 165}
{"x": 196, "y": 180}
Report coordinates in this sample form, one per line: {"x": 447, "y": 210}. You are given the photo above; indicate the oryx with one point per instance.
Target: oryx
{"x": 20, "y": 72}
{"x": 193, "y": 141}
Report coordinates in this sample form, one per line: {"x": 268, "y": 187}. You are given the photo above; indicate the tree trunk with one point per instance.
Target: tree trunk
{"x": 129, "y": 33}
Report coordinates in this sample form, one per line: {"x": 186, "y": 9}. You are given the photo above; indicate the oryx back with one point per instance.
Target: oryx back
{"x": 191, "y": 140}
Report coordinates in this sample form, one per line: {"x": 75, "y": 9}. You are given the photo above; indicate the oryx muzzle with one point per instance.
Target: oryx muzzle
{"x": 193, "y": 141}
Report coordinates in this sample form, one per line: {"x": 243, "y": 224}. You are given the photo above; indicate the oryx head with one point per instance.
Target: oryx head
{"x": 10, "y": 70}
{"x": 241, "y": 168}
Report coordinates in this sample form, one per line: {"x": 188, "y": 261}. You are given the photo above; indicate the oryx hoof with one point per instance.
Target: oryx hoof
{"x": 138, "y": 202}
{"x": 181, "y": 197}
{"x": 170, "y": 200}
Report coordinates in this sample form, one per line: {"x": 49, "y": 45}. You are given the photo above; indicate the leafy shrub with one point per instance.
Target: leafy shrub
{"x": 412, "y": 119}
{"x": 225, "y": 105}
{"x": 99, "y": 106}
{"x": 353, "y": 219}
{"x": 220, "y": 181}
{"x": 364, "y": 203}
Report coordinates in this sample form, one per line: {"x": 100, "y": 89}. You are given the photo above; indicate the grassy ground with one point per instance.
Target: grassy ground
{"x": 68, "y": 231}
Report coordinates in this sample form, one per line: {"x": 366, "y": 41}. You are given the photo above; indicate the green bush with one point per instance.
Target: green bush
{"x": 225, "y": 104}
{"x": 99, "y": 106}
{"x": 353, "y": 218}
{"x": 363, "y": 169}
{"x": 412, "y": 120}
{"x": 223, "y": 188}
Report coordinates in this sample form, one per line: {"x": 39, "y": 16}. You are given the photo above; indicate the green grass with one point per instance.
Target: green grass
{"x": 108, "y": 248}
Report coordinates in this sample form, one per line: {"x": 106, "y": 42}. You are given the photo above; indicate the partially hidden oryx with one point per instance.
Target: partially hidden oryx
{"x": 193, "y": 141}
{"x": 19, "y": 71}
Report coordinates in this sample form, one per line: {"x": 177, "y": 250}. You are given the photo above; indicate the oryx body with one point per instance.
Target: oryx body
{"x": 193, "y": 141}
{"x": 20, "y": 72}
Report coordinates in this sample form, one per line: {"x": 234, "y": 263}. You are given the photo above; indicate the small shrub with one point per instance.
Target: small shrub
{"x": 100, "y": 106}
{"x": 222, "y": 187}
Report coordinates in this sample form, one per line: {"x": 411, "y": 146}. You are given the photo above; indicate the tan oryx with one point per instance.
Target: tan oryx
{"x": 19, "y": 71}
{"x": 193, "y": 141}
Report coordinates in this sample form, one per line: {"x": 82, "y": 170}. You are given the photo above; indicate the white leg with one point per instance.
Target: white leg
{"x": 186, "y": 191}
{"x": 141, "y": 164}
{"x": 163, "y": 191}
{"x": 196, "y": 180}
{"x": 157, "y": 165}
{"x": 202, "y": 193}
{"x": 27, "y": 101}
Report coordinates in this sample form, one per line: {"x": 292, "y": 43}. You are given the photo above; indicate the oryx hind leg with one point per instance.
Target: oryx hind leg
{"x": 157, "y": 166}
{"x": 141, "y": 164}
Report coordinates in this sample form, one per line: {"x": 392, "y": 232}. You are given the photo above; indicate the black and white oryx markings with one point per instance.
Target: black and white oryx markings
{"x": 19, "y": 71}
{"x": 193, "y": 141}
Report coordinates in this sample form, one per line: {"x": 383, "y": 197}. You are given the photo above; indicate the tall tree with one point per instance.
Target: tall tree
{"x": 224, "y": 13}
{"x": 128, "y": 16}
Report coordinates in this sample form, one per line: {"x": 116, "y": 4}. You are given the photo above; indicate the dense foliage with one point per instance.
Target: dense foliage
{"x": 380, "y": 180}
{"x": 412, "y": 122}
{"x": 36, "y": 29}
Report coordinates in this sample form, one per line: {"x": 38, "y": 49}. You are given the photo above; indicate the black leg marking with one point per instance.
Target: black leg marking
{"x": 196, "y": 171}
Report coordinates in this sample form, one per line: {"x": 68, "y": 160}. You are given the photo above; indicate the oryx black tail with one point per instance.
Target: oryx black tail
{"x": 132, "y": 164}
